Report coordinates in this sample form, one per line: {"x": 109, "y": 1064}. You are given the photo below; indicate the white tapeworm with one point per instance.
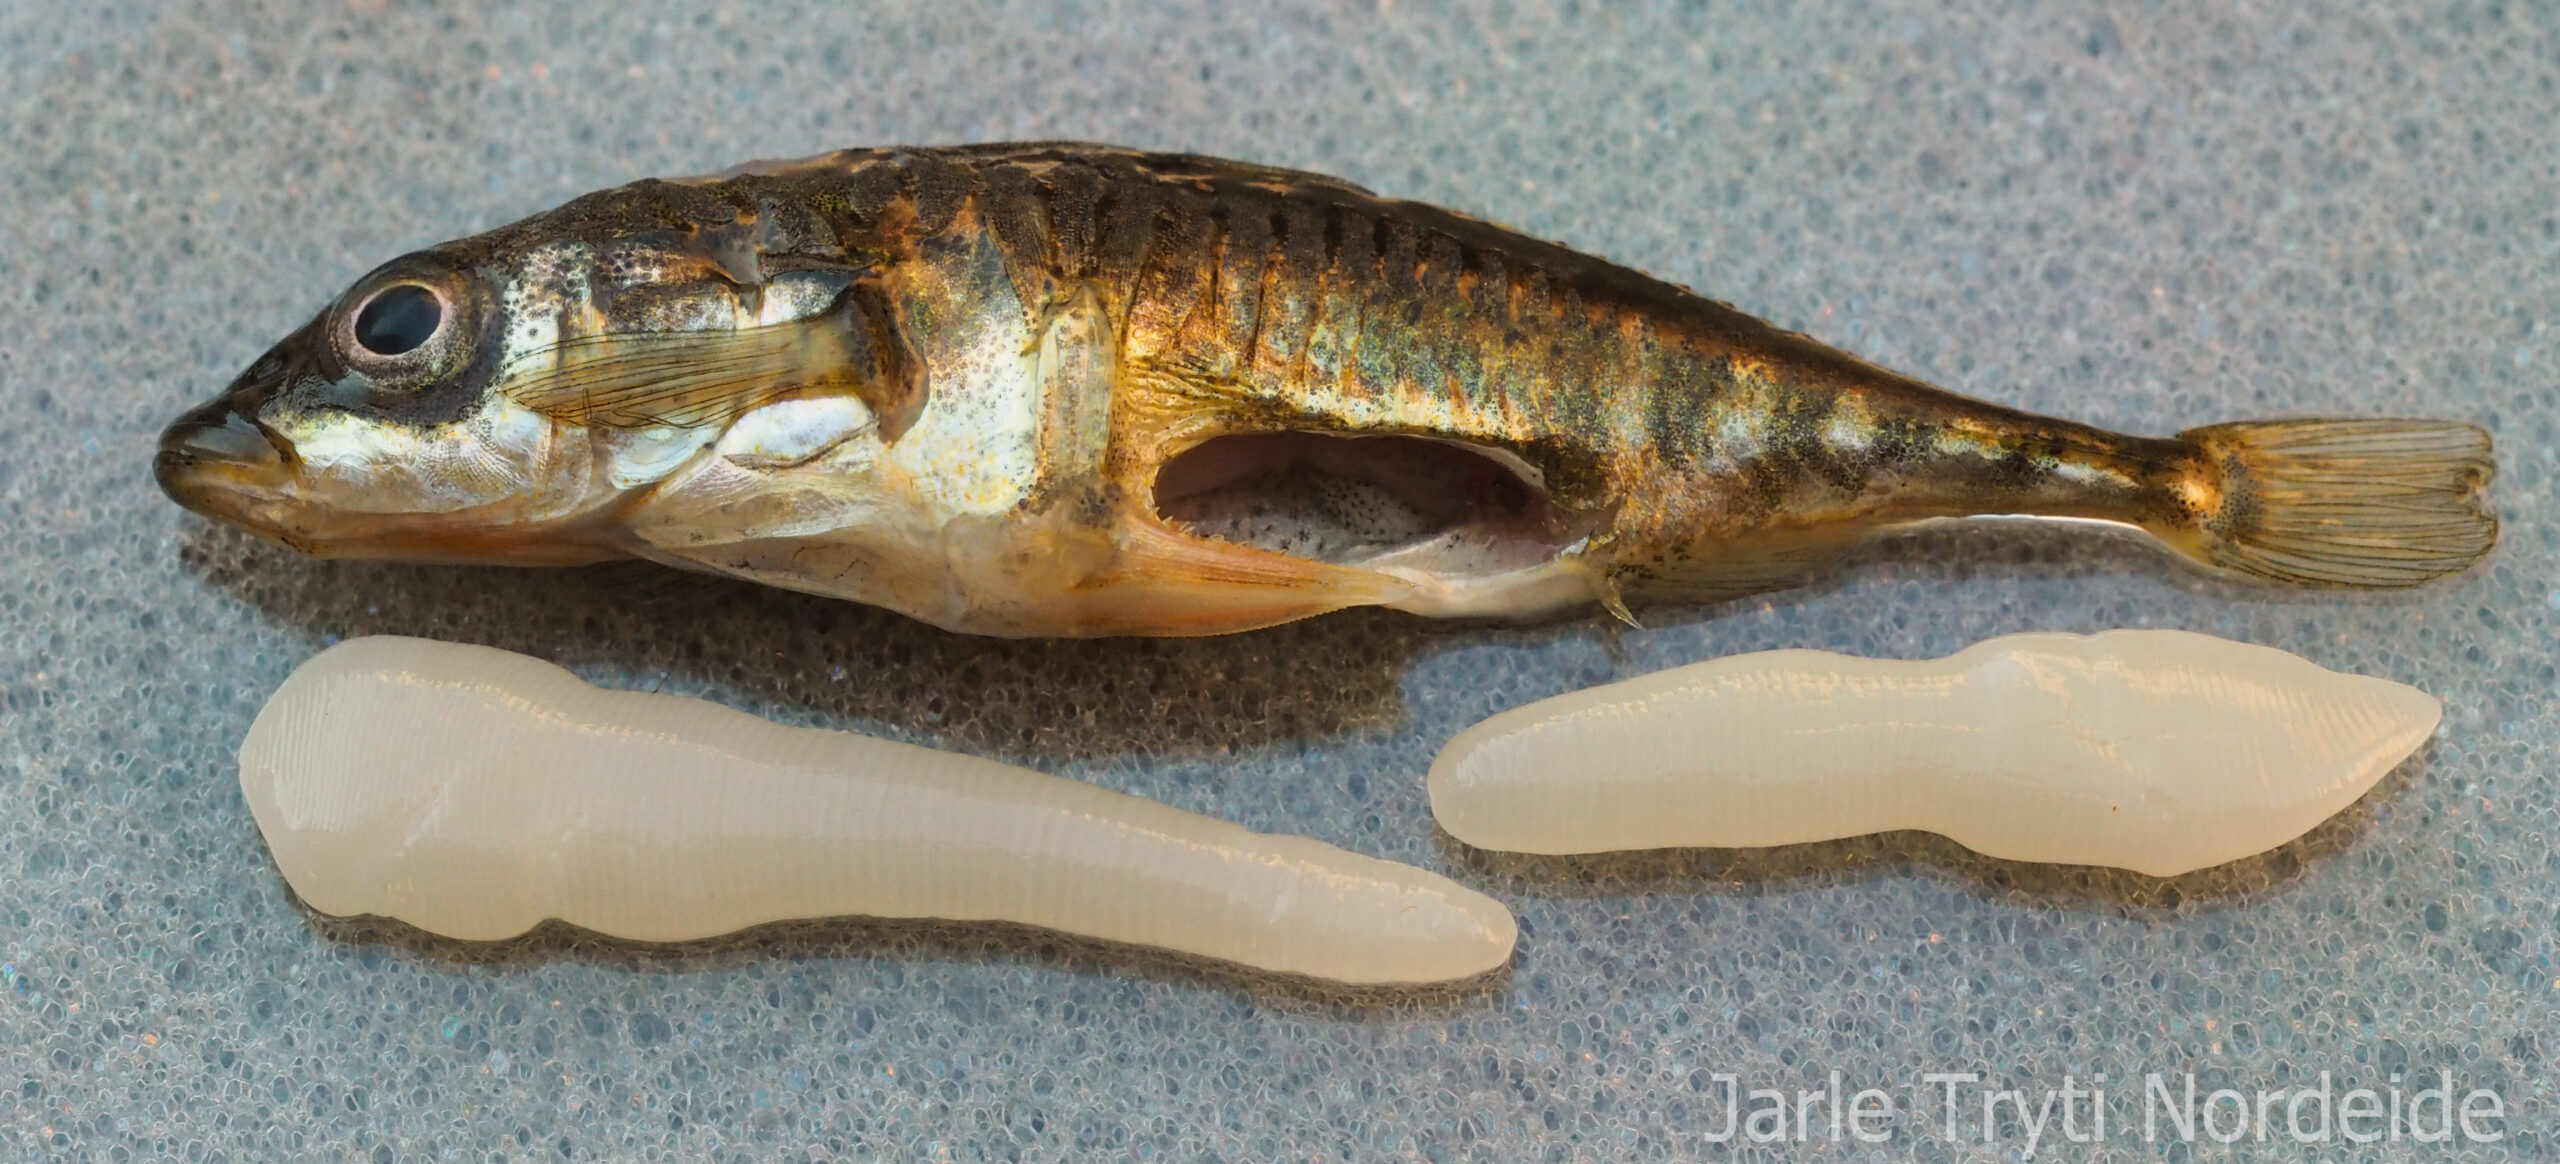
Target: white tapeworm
{"x": 475, "y": 792}
{"x": 2157, "y": 751}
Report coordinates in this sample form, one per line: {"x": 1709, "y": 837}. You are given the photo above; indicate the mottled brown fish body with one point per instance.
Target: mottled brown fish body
{"x": 1083, "y": 390}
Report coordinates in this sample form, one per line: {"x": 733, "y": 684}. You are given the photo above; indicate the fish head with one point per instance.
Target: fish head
{"x": 373, "y": 430}
{"x": 498, "y": 398}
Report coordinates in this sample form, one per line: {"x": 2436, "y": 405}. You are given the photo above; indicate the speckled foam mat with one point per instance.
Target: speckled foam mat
{"x": 2146, "y": 217}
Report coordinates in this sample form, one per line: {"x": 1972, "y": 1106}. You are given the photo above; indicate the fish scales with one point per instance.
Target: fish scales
{"x": 1058, "y": 388}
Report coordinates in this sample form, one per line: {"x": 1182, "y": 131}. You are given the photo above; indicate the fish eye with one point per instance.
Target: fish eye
{"x": 399, "y": 319}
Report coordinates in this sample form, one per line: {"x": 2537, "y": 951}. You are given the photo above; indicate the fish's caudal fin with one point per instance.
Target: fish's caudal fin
{"x": 2377, "y": 503}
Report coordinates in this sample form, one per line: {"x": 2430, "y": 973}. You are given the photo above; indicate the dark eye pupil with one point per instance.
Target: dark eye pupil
{"x": 398, "y": 319}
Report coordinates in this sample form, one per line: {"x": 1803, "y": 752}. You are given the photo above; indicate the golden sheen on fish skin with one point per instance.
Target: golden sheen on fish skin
{"x": 1067, "y": 389}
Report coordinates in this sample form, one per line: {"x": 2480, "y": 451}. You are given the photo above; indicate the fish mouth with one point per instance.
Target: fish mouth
{"x": 227, "y": 466}
{"x": 218, "y": 462}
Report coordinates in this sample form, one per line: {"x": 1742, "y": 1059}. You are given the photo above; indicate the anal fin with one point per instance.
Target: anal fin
{"x": 1767, "y": 560}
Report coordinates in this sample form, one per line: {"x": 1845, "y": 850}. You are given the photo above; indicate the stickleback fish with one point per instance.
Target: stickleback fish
{"x": 1066, "y": 389}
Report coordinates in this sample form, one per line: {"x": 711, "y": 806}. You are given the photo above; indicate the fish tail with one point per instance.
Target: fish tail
{"x": 2368, "y": 503}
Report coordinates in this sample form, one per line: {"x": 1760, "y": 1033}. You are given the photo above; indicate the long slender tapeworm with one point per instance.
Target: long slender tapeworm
{"x": 2157, "y": 751}
{"x": 474, "y": 793}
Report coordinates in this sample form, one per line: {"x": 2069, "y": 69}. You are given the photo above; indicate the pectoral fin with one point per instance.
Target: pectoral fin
{"x": 689, "y": 379}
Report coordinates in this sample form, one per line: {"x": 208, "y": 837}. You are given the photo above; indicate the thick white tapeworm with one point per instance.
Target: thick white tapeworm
{"x": 2157, "y": 751}
{"x": 475, "y": 792}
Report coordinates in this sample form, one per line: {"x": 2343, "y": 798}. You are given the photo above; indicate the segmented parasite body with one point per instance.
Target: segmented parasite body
{"x": 1062, "y": 389}
{"x": 476, "y": 792}
{"x": 2154, "y": 750}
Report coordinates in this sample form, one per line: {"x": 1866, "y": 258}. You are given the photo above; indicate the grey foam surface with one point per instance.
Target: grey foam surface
{"x": 2144, "y": 217}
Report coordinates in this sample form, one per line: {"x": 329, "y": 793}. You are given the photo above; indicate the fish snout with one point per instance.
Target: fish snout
{"x": 213, "y": 453}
